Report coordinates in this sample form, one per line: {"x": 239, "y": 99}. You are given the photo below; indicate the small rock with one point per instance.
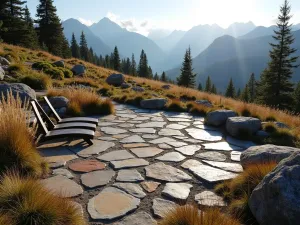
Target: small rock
{"x": 63, "y": 172}
{"x": 219, "y": 117}
{"x": 208, "y": 198}
{"x": 204, "y": 102}
{"x": 236, "y": 125}
{"x": 78, "y": 69}
{"x": 166, "y": 86}
{"x": 150, "y": 186}
{"x": 179, "y": 191}
{"x": 129, "y": 176}
{"x": 213, "y": 156}
{"x": 59, "y": 102}
{"x": 115, "y": 79}
{"x": 262, "y": 134}
{"x": 4, "y": 61}
{"x": 126, "y": 86}
{"x": 59, "y": 63}
{"x": 157, "y": 103}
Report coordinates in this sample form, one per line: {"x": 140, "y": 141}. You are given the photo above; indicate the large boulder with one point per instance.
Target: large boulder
{"x": 125, "y": 86}
{"x": 204, "y": 103}
{"x": 115, "y": 79}
{"x": 156, "y": 103}
{"x": 59, "y": 63}
{"x": 4, "y": 61}
{"x": 2, "y": 73}
{"x": 264, "y": 153}
{"x": 236, "y": 125}
{"x": 78, "y": 69}
{"x": 59, "y": 102}
{"x": 276, "y": 199}
{"x": 219, "y": 117}
{"x": 24, "y": 91}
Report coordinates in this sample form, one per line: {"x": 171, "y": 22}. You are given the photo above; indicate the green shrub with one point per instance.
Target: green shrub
{"x": 37, "y": 81}
{"x": 55, "y": 73}
{"x": 245, "y": 112}
{"x": 16, "y": 68}
{"x": 177, "y": 106}
{"x": 67, "y": 73}
{"x": 270, "y": 127}
{"x": 41, "y": 66}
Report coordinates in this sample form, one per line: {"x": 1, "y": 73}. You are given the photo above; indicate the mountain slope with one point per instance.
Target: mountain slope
{"x": 72, "y": 25}
{"x": 128, "y": 42}
{"x": 171, "y": 40}
{"x": 238, "y": 29}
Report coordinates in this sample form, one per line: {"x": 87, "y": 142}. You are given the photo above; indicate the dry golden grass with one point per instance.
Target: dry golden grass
{"x": 5, "y": 220}
{"x": 17, "y": 148}
{"x": 190, "y": 215}
{"x": 83, "y": 101}
{"x": 26, "y": 202}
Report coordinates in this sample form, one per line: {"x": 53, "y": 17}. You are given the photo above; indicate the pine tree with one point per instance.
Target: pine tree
{"x": 32, "y": 38}
{"x": 84, "y": 49}
{"x": 107, "y": 61}
{"x": 66, "y": 50}
{"x": 275, "y": 88}
{"x": 116, "y": 59}
{"x": 297, "y": 98}
{"x": 1, "y": 30}
{"x": 208, "y": 85}
{"x": 238, "y": 93}
{"x": 133, "y": 71}
{"x": 156, "y": 77}
{"x": 213, "y": 89}
{"x": 187, "y": 77}
{"x": 75, "y": 47}
{"x": 50, "y": 30}
{"x": 230, "y": 91}
{"x": 150, "y": 75}
{"x": 252, "y": 88}
{"x": 163, "y": 77}
{"x": 245, "y": 95}
{"x": 143, "y": 69}
{"x": 200, "y": 88}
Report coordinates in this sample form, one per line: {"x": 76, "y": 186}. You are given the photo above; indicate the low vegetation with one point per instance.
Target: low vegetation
{"x": 83, "y": 102}
{"x": 17, "y": 148}
{"x": 190, "y": 215}
{"x": 236, "y": 192}
{"x": 24, "y": 201}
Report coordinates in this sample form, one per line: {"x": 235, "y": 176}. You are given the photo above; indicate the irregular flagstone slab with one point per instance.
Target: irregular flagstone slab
{"x": 55, "y": 165}
{"x": 116, "y": 155}
{"x": 176, "y": 144}
{"x": 211, "y": 174}
{"x": 62, "y": 186}
{"x": 150, "y": 136}
{"x": 188, "y": 149}
{"x": 111, "y": 130}
{"x": 136, "y": 122}
{"x": 120, "y": 136}
{"x": 129, "y": 163}
{"x": 144, "y": 130}
{"x": 212, "y": 156}
{"x": 124, "y": 119}
{"x": 164, "y": 146}
{"x": 197, "y": 123}
{"x": 232, "y": 167}
{"x": 140, "y": 218}
{"x": 205, "y": 127}
{"x": 124, "y": 115}
{"x": 57, "y": 154}
{"x": 133, "y": 139}
{"x": 170, "y": 132}
{"x": 184, "y": 124}
{"x": 171, "y": 157}
{"x": 190, "y": 163}
{"x": 135, "y": 145}
{"x": 162, "y": 140}
{"x": 176, "y": 126}
{"x": 240, "y": 143}
{"x": 172, "y": 119}
{"x": 146, "y": 152}
{"x": 105, "y": 124}
{"x": 152, "y": 125}
{"x": 161, "y": 207}
{"x": 63, "y": 172}
{"x": 129, "y": 176}
{"x": 111, "y": 203}
{"x": 193, "y": 141}
{"x": 143, "y": 118}
{"x": 132, "y": 189}
{"x": 179, "y": 191}
{"x": 221, "y": 146}
{"x": 84, "y": 150}
{"x": 97, "y": 178}
{"x": 126, "y": 125}
{"x": 235, "y": 156}
{"x": 209, "y": 198}
{"x": 180, "y": 137}
{"x": 161, "y": 171}
{"x": 181, "y": 115}
{"x": 109, "y": 117}
{"x": 107, "y": 139}
{"x": 150, "y": 186}
{"x": 204, "y": 135}
{"x": 157, "y": 119}
{"x": 86, "y": 166}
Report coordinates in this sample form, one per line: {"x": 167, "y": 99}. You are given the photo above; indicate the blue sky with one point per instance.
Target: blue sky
{"x": 144, "y": 15}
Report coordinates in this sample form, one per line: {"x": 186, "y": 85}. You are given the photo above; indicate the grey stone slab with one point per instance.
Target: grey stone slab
{"x": 205, "y": 135}
{"x": 59, "y": 155}
{"x": 105, "y": 124}
{"x": 129, "y": 163}
{"x": 112, "y": 131}
{"x": 165, "y": 146}
{"x": 190, "y": 163}
{"x": 144, "y": 130}
{"x": 141, "y": 118}
{"x": 240, "y": 143}
{"x": 172, "y": 119}
{"x": 55, "y": 165}
{"x": 146, "y": 152}
{"x": 180, "y": 137}
{"x": 232, "y": 167}
{"x": 188, "y": 149}
{"x": 235, "y": 156}
{"x": 152, "y": 125}
{"x": 221, "y": 146}
{"x": 150, "y": 136}
{"x": 162, "y": 140}
{"x": 184, "y": 124}
{"x": 107, "y": 139}
{"x": 213, "y": 156}
{"x": 63, "y": 172}
{"x": 139, "y": 218}
{"x": 150, "y": 186}
{"x": 116, "y": 155}
{"x": 129, "y": 176}
{"x": 132, "y": 189}
{"x": 133, "y": 139}
{"x": 178, "y": 191}
{"x": 157, "y": 119}
{"x": 62, "y": 186}
{"x": 136, "y": 145}
{"x": 111, "y": 203}
{"x": 170, "y": 132}
{"x": 209, "y": 198}
{"x": 193, "y": 141}
{"x": 97, "y": 178}
{"x": 176, "y": 144}
{"x": 161, "y": 171}
{"x": 126, "y": 125}
{"x": 171, "y": 157}
{"x": 124, "y": 115}
{"x": 85, "y": 150}
{"x": 161, "y": 207}
{"x": 176, "y": 126}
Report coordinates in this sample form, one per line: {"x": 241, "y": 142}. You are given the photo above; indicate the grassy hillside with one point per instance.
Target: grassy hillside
{"x": 95, "y": 77}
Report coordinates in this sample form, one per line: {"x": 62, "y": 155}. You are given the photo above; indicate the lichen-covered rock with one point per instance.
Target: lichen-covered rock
{"x": 204, "y": 102}
{"x": 4, "y": 61}
{"x": 166, "y": 87}
{"x": 125, "y": 85}
{"x": 78, "y": 69}
{"x": 115, "y": 79}
{"x": 219, "y": 117}
{"x": 22, "y": 90}
{"x": 59, "y": 101}
{"x": 138, "y": 89}
{"x": 59, "y": 63}
{"x": 236, "y": 125}
{"x": 263, "y": 153}
{"x": 276, "y": 199}
{"x": 156, "y": 103}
